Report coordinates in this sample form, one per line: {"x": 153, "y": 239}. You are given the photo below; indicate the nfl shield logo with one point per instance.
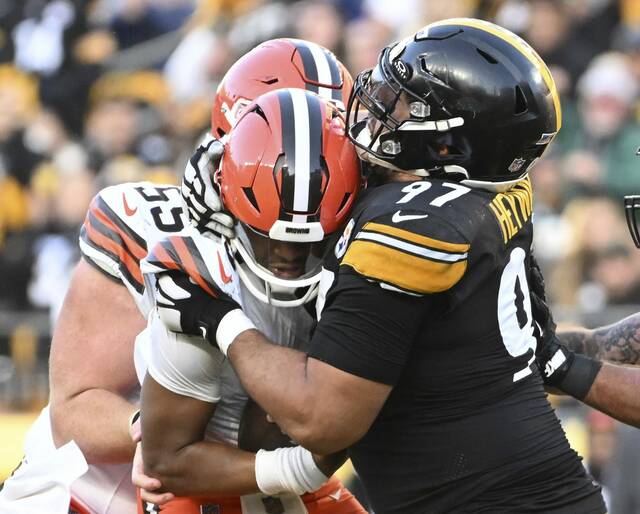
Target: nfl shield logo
{"x": 517, "y": 164}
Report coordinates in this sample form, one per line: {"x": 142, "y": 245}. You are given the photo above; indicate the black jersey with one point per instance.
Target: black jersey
{"x": 429, "y": 294}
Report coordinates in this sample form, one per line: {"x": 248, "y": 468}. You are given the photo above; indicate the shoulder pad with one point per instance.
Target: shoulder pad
{"x": 205, "y": 261}
{"x": 425, "y": 256}
{"x": 110, "y": 242}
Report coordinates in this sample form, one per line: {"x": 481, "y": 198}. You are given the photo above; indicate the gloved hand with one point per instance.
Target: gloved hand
{"x": 201, "y": 195}
{"x": 560, "y": 367}
{"x": 185, "y": 307}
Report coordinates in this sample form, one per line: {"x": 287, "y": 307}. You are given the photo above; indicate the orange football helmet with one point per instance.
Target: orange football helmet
{"x": 289, "y": 174}
{"x": 275, "y": 64}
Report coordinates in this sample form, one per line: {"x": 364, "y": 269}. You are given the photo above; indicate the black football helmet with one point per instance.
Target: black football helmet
{"x": 461, "y": 97}
{"x": 632, "y": 213}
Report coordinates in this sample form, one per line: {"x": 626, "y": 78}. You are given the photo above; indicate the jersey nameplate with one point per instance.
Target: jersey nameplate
{"x": 513, "y": 209}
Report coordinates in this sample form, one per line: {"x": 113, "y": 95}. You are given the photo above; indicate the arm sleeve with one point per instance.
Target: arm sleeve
{"x": 367, "y": 330}
{"x": 185, "y": 365}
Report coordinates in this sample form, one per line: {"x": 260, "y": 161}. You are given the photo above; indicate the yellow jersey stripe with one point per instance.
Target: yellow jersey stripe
{"x": 435, "y": 244}
{"x": 400, "y": 269}
{"x": 521, "y": 45}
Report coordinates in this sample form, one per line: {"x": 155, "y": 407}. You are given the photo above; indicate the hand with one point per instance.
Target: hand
{"x": 201, "y": 195}
{"x": 552, "y": 357}
{"x": 147, "y": 484}
{"x": 559, "y": 366}
{"x": 184, "y": 307}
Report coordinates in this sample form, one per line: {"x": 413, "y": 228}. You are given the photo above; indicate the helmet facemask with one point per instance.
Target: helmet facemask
{"x": 280, "y": 273}
{"x": 388, "y": 123}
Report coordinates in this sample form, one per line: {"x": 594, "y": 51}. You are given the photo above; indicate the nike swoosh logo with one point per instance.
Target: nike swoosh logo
{"x": 204, "y": 332}
{"x": 223, "y": 274}
{"x": 398, "y": 217}
{"x": 128, "y": 210}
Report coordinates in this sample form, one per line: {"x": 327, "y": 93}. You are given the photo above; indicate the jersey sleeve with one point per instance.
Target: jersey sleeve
{"x": 366, "y": 330}
{"x": 206, "y": 261}
{"x": 427, "y": 255}
{"x": 184, "y": 365}
{"x": 108, "y": 239}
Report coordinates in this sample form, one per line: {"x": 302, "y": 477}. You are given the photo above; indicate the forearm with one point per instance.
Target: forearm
{"x": 203, "y": 468}
{"x": 619, "y": 342}
{"x": 276, "y": 378}
{"x": 616, "y": 392}
{"x": 97, "y": 420}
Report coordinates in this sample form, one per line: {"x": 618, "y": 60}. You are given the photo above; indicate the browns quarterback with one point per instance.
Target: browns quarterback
{"x": 289, "y": 176}
{"x": 80, "y": 446}
{"x": 426, "y": 342}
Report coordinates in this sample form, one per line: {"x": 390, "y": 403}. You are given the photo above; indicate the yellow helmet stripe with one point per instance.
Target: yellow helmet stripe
{"x": 517, "y": 42}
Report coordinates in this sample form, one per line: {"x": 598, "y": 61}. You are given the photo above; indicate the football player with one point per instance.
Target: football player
{"x": 94, "y": 388}
{"x": 425, "y": 345}
{"x": 289, "y": 176}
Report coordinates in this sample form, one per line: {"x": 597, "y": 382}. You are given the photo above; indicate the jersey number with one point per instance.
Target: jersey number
{"x": 167, "y": 221}
{"x": 415, "y": 188}
{"x": 514, "y": 312}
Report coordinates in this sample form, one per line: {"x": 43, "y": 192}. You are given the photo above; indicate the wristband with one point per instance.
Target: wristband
{"x": 580, "y": 376}
{"x": 287, "y": 470}
{"x": 231, "y": 325}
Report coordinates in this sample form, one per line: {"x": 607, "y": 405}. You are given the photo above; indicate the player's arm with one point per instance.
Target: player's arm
{"x": 179, "y": 396}
{"x": 91, "y": 366}
{"x": 604, "y": 386}
{"x": 175, "y": 452}
{"x": 320, "y": 406}
{"x": 616, "y": 392}
{"x": 619, "y": 342}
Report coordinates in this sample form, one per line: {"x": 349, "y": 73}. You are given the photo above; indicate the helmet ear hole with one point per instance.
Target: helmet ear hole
{"x": 487, "y": 57}
{"x": 248, "y": 192}
{"x": 521, "y": 101}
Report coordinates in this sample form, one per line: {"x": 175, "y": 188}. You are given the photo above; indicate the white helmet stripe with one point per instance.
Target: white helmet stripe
{"x": 302, "y": 149}
{"x": 321, "y": 60}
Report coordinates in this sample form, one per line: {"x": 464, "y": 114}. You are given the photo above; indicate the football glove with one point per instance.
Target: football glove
{"x": 185, "y": 307}
{"x": 200, "y": 194}
{"x": 560, "y": 367}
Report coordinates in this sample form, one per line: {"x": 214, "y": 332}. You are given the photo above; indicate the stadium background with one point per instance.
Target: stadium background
{"x": 99, "y": 92}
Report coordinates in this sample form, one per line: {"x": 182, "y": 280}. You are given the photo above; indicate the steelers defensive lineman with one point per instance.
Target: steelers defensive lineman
{"x": 423, "y": 359}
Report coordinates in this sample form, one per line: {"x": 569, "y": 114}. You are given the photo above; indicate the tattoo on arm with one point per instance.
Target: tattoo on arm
{"x": 619, "y": 342}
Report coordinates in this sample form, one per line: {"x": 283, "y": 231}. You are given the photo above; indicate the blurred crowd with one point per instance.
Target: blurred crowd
{"x": 98, "y": 92}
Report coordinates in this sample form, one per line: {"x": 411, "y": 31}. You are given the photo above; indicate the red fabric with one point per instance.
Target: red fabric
{"x": 332, "y": 498}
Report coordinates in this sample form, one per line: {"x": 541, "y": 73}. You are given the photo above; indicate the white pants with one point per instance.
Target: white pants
{"x": 49, "y": 476}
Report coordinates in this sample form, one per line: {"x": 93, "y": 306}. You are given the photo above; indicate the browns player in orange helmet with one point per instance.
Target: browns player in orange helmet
{"x": 274, "y": 64}
{"x": 289, "y": 176}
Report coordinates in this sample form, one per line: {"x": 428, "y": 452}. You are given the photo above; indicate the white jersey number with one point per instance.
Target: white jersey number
{"x": 514, "y": 312}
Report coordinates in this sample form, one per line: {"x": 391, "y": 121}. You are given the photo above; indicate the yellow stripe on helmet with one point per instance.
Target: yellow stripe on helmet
{"x": 518, "y": 43}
